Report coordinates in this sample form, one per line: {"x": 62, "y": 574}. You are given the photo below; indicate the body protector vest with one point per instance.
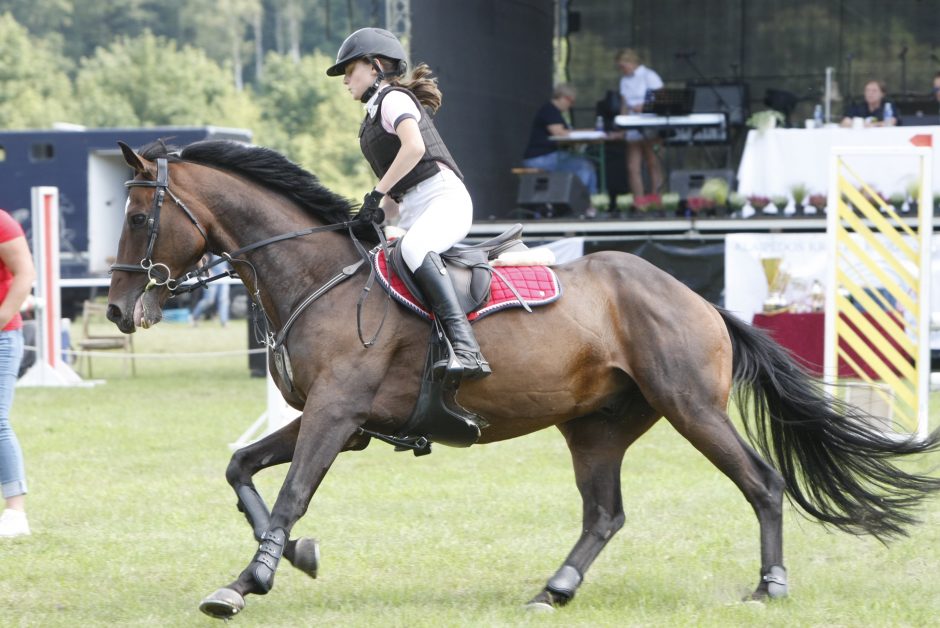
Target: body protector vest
{"x": 380, "y": 147}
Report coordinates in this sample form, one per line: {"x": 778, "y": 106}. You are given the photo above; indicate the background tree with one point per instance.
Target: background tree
{"x": 148, "y": 81}
{"x": 312, "y": 119}
{"x": 34, "y": 87}
{"x": 220, "y": 28}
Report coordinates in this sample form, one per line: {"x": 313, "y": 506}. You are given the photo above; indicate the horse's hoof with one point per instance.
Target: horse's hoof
{"x": 307, "y": 556}
{"x": 539, "y": 607}
{"x": 222, "y": 604}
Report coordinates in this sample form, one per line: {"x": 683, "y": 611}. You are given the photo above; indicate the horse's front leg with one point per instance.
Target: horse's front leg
{"x": 322, "y": 433}
{"x": 274, "y": 449}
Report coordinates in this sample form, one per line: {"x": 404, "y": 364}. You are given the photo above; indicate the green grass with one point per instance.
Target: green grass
{"x": 133, "y": 523}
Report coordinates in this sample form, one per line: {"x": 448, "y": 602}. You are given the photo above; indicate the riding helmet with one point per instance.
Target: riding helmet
{"x": 368, "y": 42}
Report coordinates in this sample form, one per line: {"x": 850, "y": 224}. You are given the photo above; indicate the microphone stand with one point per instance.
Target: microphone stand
{"x": 687, "y": 57}
{"x": 726, "y": 108}
{"x": 848, "y": 82}
{"x": 903, "y": 57}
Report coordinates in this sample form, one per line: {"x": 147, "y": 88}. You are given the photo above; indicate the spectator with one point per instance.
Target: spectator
{"x": 873, "y": 109}
{"x": 637, "y": 81}
{"x": 216, "y": 293}
{"x": 545, "y": 154}
{"x": 16, "y": 279}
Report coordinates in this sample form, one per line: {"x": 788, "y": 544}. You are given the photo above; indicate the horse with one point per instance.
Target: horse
{"x": 626, "y": 345}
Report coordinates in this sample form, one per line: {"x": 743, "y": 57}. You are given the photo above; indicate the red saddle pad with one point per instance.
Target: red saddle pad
{"x": 537, "y": 285}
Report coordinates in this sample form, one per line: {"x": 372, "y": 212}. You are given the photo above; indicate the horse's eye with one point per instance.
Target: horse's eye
{"x": 138, "y": 220}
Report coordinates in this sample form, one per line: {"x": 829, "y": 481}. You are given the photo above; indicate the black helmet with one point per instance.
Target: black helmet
{"x": 368, "y": 42}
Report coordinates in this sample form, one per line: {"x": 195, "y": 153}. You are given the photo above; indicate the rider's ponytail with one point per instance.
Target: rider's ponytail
{"x": 422, "y": 84}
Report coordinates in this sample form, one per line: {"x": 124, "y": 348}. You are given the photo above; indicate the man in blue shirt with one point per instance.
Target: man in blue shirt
{"x": 543, "y": 153}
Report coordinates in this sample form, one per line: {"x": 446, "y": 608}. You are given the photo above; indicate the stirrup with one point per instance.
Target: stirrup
{"x": 480, "y": 369}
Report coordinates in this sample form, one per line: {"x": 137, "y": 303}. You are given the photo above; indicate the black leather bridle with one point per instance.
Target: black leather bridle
{"x": 154, "y": 270}
{"x": 147, "y": 265}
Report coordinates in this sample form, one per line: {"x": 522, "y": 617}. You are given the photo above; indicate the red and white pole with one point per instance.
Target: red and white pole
{"x": 49, "y": 369}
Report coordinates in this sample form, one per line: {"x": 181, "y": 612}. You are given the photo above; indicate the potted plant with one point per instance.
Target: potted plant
{"x": 765, "y": 120}
{"x": 913, "y": 195}
{"x": 818, "y": 202}
{"x": 799, "y": 193}
{"x": 699, "y": 205}
{"x": 716, "y": 191}
{"x": 670, "y": 202}
{"x": 780, "y": 202}
{"x": 736, "y": 202}
{"x": 897, "y": 200}
{"x": 759, "y": 203}
{"x": 650, "y": 204}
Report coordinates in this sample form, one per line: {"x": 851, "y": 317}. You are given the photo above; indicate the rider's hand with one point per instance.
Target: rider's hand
{"x": 370, "y": 210}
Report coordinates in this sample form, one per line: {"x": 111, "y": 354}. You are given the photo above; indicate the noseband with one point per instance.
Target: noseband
{"x": 153, "y": 269}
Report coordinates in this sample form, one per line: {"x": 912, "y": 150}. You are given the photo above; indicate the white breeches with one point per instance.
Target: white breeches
{"x": 437, "y": 213}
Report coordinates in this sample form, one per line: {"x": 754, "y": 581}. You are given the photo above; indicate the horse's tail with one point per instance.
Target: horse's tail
{"x": 836, "y": 466}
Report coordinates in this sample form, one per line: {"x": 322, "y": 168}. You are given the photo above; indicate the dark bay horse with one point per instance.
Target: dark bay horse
{"x": 626, "y": 345}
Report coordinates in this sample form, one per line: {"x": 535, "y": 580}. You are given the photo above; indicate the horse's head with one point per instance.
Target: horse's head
{"x": 160, "y": 240}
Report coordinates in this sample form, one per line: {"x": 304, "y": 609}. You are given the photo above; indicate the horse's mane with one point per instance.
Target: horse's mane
{"x": 264, "y": 166}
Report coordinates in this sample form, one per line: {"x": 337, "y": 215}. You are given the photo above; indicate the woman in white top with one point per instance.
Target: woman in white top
{"x": 636, "y": 82}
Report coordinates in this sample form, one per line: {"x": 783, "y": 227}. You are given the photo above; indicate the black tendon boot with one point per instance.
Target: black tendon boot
{"x": 434, "y": 282}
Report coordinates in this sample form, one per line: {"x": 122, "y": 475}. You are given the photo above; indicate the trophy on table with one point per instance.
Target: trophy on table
{"x": 777, "y": 281}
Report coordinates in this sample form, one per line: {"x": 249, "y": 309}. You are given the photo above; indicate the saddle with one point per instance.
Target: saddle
{"x": 437, "y": 416}
{"x": 467, "y": 264}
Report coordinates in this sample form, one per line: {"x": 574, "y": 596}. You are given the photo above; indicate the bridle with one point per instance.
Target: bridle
{"x": 176, "y": 286}
{"x": 147, "y": 265}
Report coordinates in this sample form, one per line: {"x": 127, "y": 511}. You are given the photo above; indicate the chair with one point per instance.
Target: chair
{"x": 93, "y": 312}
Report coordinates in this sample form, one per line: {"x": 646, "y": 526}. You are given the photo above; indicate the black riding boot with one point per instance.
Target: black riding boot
{"x": 434, "y": 282}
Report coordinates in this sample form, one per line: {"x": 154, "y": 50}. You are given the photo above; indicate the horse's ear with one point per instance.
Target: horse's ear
{"x": 133, "y": 159}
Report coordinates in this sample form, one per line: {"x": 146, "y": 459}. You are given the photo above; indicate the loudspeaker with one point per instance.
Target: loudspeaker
{"x": 688, "y": 182}
{"x": 555, "y": 193}
{"x": 728, "y": 98}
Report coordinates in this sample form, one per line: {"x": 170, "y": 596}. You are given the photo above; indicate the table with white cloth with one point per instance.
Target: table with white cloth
{"x": 776, "y": 160}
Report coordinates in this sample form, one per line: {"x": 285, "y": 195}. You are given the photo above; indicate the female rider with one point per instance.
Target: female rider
{"x": 415, "y": 169}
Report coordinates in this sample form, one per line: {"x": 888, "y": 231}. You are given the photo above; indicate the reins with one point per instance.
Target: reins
{"x": 179, "y": 286}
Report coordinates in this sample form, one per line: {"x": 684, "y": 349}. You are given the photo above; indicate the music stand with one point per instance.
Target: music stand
{"x": 669, "y": 101}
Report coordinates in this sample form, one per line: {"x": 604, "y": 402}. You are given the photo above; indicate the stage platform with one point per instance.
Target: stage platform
{"x": 604, "y": 228}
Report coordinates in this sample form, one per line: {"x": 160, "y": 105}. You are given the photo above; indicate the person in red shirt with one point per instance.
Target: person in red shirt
{"x": 16, "y": 280}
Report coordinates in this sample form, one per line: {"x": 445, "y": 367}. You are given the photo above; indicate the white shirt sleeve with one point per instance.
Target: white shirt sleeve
{"x": 653, "y": 81}
{"x": 397, "y": 106}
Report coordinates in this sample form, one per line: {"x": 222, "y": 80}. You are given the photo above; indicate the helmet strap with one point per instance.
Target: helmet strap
{"x": 380, "y": 76}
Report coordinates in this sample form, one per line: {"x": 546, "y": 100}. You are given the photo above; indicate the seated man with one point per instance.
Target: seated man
{"x": 545, "y": 154}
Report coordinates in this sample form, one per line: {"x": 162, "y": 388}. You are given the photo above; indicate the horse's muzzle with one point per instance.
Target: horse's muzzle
{"x": 114, "y": 314}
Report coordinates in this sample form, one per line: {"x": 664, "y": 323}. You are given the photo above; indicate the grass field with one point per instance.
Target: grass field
{"x": 133, "y": 523}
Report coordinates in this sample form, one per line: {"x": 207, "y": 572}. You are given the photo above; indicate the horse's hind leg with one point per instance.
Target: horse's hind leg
{"x": 272, "y": 450}
{"x": 597, "y": 444}
{"x": 712, "y": 433}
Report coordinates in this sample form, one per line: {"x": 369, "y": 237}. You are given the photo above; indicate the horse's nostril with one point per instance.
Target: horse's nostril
{"x": 114, "y": 313}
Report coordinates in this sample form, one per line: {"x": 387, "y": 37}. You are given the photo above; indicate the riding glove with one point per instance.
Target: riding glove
{"x": 370, "y": 210}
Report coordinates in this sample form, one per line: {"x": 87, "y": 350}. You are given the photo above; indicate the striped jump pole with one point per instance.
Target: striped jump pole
{"x": 49, "y": 368}
{"x": 878, "y": 294}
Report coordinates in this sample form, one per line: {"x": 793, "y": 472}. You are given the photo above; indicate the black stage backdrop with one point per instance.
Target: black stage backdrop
{"x": 698, "y": 264}
{"x": 493, "y": 59}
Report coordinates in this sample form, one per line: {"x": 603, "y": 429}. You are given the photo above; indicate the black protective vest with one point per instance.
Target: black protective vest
{"x": 380, "y": 147}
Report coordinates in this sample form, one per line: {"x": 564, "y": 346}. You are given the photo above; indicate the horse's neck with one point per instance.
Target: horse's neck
{"x": 284, "y": 272}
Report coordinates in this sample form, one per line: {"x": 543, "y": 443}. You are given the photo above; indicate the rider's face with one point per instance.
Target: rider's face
{"x": 359, "y": 77}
